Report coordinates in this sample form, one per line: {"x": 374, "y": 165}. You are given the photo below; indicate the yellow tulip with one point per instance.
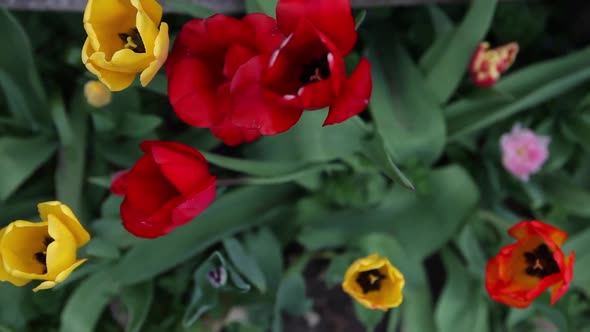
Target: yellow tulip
{"x": 123, "y": 40}
{"x": 97, "y": 94}
{"x": 43, "y": 250}
{"x": 374, "y": 282}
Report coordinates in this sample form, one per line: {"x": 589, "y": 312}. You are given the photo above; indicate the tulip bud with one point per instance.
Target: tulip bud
{"x": 97, "y": 94}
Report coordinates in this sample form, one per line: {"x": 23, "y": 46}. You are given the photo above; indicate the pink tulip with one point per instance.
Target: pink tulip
{"x": 523, "y": 152}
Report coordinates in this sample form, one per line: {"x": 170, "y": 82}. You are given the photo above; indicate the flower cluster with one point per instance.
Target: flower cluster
{"x": 43, "y": 250}
{"x": 255, "y": 76}
{"x": 244, "y": 78}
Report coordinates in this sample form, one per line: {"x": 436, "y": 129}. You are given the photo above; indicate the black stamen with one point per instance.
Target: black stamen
{"x": 370, "y": 280}
{"x": 316, "y": 70}
{"x": 541, "y": 262}
{"x": 135, "y": 38}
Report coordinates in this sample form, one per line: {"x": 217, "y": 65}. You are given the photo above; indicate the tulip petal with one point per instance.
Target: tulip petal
{"x": 115, "y": 81}
{"x": 191, "y": 92}
{"x": 268, "y": 36}
{"x": 257, "y": 108}
{"x": 21, "y": 241}
{"x": 151, "y": 7}
{"x": 227, "y": 131}
{"x": 185, "y": 171}
{"x": 161, "y": 46}
{"x": 65, "y": 215}
{"x": 61, "y": 253}
{"x": 4, "y": 275}
{"x": 195, "y": 204}
{"x": 353, "y": 97}
{"x": 333, "y": 18}
{"x": 147, "y": 188}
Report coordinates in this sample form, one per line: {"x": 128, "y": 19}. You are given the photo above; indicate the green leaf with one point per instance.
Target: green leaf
{"x": 291, "y": 295}
{"x": 138, "y": 125}
{"x": 87, "y": 302}
{"x": 368, "y": 317}
{"x": 441, "y": 23}
{"x": 188, "y": 8}
{"x": 259, "y": 244}
{"x": 563, "y": 192}
{"x": 461, "y": 307}
{"x": 245, "y": 263}
{"x": 19, "y": 158}
{"x": 528, "y": 87}
{"x": 265, "y": 6}
{"x": 69, "y": 175}
{"x": 360, "y": 18}
{"x": 138, "y": 301}
{"x": 402, "y": 105}
{"x": 308, "y": 141}
{"x": 99, "y": 247}
{"x": 578, "y": 130}
{"x": 450, "y": 198}
{"x": 16, "y": 101}
{"x": 375, "y": 150}
{"x": 13, "y": 315}
{"x": 17, "y": 63}
{"x": 230, "y": 213}
{"x": 444, "y": 76}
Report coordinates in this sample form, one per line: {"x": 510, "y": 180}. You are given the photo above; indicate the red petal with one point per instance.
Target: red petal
{"x": 333, "y": 18}
{"x": 550, "y": 234}
{"x": 255, "y": 107}
{"x": 236, "y": 56}
{"x": 210, "y": 38}
{"x": 183, "y": 166}
{"x": 191, "y": 89}
{"x": 119, "y": 183}
{"x": 354, "y": 96}
{"x": 194, "y": 204}
{"x": 227, "y": 131}
{"x": 147, "y": 188}
{"x": 149, "y": 225}
{"x": 268, "y": 35}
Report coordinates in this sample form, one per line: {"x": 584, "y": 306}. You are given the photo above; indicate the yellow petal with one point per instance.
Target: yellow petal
{"x": 45, "y": 285}
{"x": 151, "y": 7}
{"x": 109, "y": 11}
{"x": 65, "y": 215}
{"x": 115, "y": 81}
{"x": 60, "y": 277}
{"x": 105, "y": 37}
{"x": 4, "y": 275}
{"x": 61, "y": 253}
{"x": 160, "y": 52}
{"x": 148, "y": 31}
{"x": 123, "y": 61}
{"x": 21, "y": 241}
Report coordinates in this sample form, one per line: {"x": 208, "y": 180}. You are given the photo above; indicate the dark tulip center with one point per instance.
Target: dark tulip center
{"x": 540, "y": 262}
{"x": 132, "y": 40}
{"x": 316, "y": 70}
{"x": 370, "y": 280}
{"x": 41, "y": 256}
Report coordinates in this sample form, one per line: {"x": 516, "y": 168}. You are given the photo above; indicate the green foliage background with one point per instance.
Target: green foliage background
{"x": 416, "y": 178}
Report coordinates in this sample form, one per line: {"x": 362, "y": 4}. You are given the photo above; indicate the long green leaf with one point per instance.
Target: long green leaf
{"x": 230, "y": 213}
{"x": 449, "y": 70}
{"x": 19, "y": 158}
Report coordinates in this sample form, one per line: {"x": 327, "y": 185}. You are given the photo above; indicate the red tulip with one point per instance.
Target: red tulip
{"x": 488, "y": 65}
{"x": 167, "y": 187}
{"x": 524, "y": 270}
{"x": 205, "y": 57}
{"x": 306, "y": 71}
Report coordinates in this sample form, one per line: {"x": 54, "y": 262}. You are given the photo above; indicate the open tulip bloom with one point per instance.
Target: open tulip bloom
{"x": 524, "y": 270}
{"x": 43, "y": 250}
